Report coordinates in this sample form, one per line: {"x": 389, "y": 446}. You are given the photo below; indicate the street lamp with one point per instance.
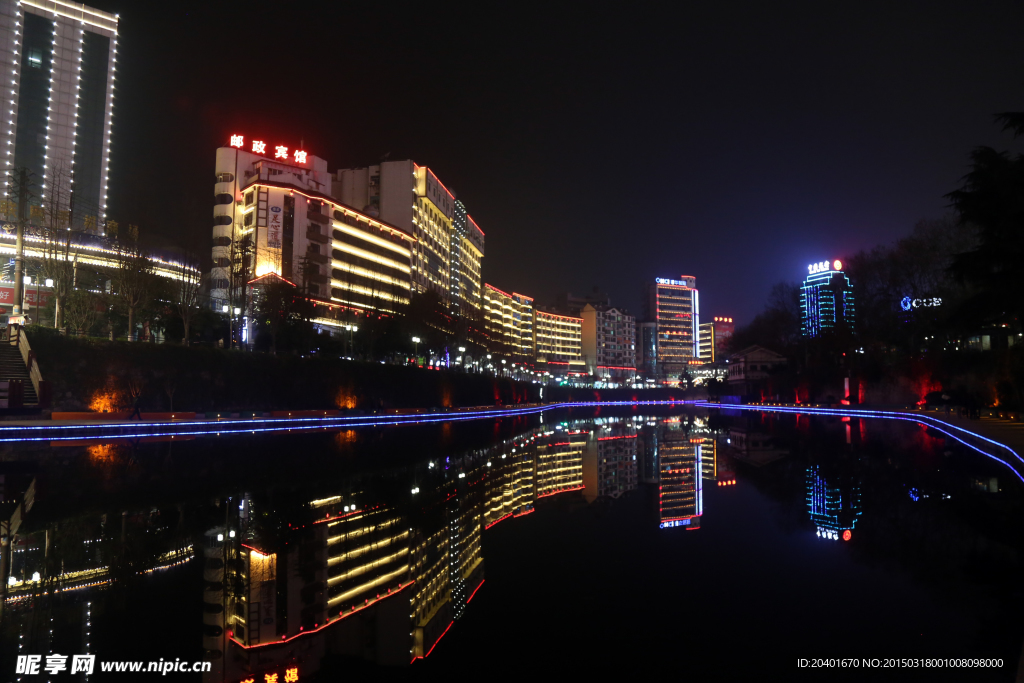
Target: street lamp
{"x": 416, "y": 341}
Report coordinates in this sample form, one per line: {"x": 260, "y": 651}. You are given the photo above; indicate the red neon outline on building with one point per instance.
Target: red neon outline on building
{"x": 442, "y": 187}
{"x": 334, "y": 203}
{"x": 474, "y": 591}
{"x": 329, "y": 623}
{"x": 553, "y": 493}
{"x": 435, "y": 644}
{"x": 475, "y": 225}
{"x": 612, "y": 438}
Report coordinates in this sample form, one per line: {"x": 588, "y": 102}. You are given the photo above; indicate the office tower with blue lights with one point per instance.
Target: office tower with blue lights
{"x": 59, "y": 59}
{"x": 826, "y": 300}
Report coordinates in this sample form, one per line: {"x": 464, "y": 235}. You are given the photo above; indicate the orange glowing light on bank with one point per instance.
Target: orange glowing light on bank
{"x": 838, "y": 265}
{"x": 847, "y": 535}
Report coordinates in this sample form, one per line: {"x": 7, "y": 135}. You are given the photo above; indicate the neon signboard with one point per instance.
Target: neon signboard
{"x": 260, "y": 147}
{"x": 674, "y": 522}
{"x": 824, "y": 267}
{"x": 908, "y": 304}
{"x": 666, "y": 281}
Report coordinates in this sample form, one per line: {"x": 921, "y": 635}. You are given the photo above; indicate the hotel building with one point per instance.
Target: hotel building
{"x": 59, "y": 57}
{"x": 558, "y": 338}
{"x": 674, "y": 306}
{"x": 508, "y": 322}
{"x": 274, "y": 214}
{"x": 826, "y": 300}
{"x": 411, "y": 198}
{"x": 467, "y": 253}
{"x": 609, "y": 341}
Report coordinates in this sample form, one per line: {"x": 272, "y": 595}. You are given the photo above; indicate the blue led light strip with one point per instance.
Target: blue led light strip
{"x": 136, "y": 429}
{"x": 925, "y": 420}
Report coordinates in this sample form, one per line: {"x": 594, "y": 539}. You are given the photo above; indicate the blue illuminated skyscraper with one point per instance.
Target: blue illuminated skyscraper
{"x": 826, "y": 300}
{"x": 834, "y": 502}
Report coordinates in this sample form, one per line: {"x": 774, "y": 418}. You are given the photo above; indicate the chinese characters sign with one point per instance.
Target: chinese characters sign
{"x": 824, "y": 267}
{"x": 297, "y": 156}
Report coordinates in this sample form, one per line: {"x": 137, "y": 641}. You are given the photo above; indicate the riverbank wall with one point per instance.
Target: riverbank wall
{"x": 110, "y": 376}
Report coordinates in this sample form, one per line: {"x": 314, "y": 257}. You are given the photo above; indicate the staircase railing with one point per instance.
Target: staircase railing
{"x": 17, "y": 337}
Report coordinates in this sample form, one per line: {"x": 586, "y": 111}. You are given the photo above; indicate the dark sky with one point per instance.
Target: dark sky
{"x": 735, "y": 142}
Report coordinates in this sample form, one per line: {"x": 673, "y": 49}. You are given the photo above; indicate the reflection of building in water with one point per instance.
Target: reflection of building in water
{"x": 754, "y": 447}
{"x": 680, "y": 489}
{"x": 560, "y": 462}
{"x": 834, "y": 502}
{"x": 609, "y": 462}
{"x": 384, "y": 582}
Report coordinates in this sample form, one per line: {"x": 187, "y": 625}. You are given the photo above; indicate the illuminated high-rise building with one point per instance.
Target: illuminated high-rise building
{"x": 675, "y": 307}
{"x": 826, "y": 300}
{"x": 274, "y": 214}
{"x": 59, "y": 58}
{"x": 558, "y": 338}
{"x": 411, "y": 198}
{"x": 467, "y": 253}
{"x": 508, "y": 322}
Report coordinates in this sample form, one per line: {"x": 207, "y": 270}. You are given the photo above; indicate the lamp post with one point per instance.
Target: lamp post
{"x": 416, "y": 341}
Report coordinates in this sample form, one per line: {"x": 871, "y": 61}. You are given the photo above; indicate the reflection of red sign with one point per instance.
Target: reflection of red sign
{"x": 7, "y": 294}
{"x": 2, "y": 310}
{"x": 290, "y": 674}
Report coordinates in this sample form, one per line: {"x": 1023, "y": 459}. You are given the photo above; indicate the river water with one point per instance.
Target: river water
{"x": 712, "y": 546}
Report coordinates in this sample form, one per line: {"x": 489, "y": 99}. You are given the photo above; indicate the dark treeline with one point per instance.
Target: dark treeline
{"x": 967, "y": 350}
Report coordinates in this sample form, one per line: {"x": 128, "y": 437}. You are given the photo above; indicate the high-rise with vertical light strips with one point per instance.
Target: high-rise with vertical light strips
{"x": 58, "y": 59}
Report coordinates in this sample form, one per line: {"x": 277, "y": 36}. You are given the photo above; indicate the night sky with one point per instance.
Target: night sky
{"x": 735, "y": 142}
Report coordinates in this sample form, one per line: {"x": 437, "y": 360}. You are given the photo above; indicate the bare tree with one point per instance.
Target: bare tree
{"x": 133, "y": 279}
{"x": 186, "y": 292}
{"x": 81, "y": 310}
{"x": 59, "y": 248}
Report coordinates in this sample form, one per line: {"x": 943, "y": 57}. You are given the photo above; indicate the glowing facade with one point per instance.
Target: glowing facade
{"x": 680, "y": 479}
{"x": 274, "y": 214}
{"x": 557, "y": 337}
{"x": 675, "y": 307}
{"x": 59, "y": 57}
{"x": 826, "y": 300}
{"x": 508, "y": 321}
{"x": 467, "y": 253}
{"x": 411, "y": 198}
{"x": 834, "y": 503}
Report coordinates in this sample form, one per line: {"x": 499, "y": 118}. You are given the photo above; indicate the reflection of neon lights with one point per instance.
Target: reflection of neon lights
{"x": 297, "y": 423}
{"x": 435, "y": 643}
{"x": 340, "y": 616}
{"x": 568, "y": 488}
{"x": 474, "y": 592}
{"x": 924, "y": 420}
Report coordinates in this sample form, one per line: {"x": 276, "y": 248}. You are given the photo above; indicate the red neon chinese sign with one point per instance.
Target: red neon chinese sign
{"x": 260, "y": 147}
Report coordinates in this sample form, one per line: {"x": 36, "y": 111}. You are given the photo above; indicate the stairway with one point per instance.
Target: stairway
{"x": 13, "y": 367}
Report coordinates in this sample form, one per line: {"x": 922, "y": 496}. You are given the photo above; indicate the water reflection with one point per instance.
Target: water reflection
{"x": 282, "y": 576}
